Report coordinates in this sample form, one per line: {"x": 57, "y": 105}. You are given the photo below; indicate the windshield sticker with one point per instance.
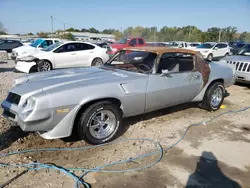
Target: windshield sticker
{"x": 119, "y": 74}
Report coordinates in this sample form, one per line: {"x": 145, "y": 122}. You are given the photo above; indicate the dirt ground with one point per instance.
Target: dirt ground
{"x": 211, "y": 155}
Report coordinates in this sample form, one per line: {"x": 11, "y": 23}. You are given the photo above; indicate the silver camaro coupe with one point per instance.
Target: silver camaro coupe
{"x": 91, "y": 102}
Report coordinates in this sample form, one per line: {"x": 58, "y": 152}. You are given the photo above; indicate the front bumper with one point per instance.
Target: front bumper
{"x": 48, "y": 123}
{"x": 23, "y": 66}
{"x": 242, "y": 77}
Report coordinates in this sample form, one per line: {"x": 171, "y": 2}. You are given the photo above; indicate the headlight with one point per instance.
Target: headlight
{"x": 27, "y": 58}
{"x": 28, "y": 107}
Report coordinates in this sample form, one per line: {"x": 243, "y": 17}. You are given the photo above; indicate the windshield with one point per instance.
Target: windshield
{"x": 123, "y": 41}
{"x": 245, "y": 50}
{"x": 136, "y": 61}
{"x": 36, "y": 42}
{"x": 52, "y": 47}
{"x": 174, "y": 44}
{"x": 206, "y": 45}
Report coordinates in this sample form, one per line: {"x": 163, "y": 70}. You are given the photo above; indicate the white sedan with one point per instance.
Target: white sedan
{"x": 63, "y": 55}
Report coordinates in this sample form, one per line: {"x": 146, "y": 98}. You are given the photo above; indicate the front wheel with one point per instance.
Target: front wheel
{"x": 100, "y": 123}
{"x": 44, "y": 65}
{"x": 214, "y": 97}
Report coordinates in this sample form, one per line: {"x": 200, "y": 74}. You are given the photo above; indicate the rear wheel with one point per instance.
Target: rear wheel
{"x": 99, "y": 123}
{"x": 97, "y": 62}
{"x": 214, "y": 97}
{"x": 44, "y": 65}
{"x": 210, "y": 57}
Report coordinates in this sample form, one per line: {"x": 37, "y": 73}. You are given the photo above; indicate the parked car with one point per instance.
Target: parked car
{"x": 8, "y": 45}
{"x": 63, "y": 55}
{"x": 193, "y": 45}
{"x": 91, "y": 102}
{"x": 27, "y": 42}
{"x": 212, "y": 50}
{"x": 125, "y": 42}
{"x": 241, "y": 61}
{"x": 236, "y": 47}
{"x": 37, "y": 45}
{"x": 178, "y": 44}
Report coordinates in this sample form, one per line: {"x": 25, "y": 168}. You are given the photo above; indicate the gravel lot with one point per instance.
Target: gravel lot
{"x": 214, "y": 155}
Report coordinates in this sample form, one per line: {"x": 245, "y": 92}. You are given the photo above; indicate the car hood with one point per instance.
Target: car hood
{"x": 25, "y": 49}
{"x": 76, "y": 77}
{"x": 118, "y": 46}
{"x": 237, "y": 58}
{"x": 35, "y": 53}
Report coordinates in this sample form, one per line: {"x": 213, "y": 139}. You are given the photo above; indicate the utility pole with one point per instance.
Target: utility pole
{"x": 189, "y": 34}
{"x": 51, "y": 17}
{"x": 154, "y": 33}
{"x": 219, "y": 35}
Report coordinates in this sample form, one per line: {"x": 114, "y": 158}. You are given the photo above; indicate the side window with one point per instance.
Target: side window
{"x": 223, "y": 45}
{"x": 217, "y": 46}
{"x": 56, "y": 41}
{"x": 49, "y": 42}
{"x": 176, "y": 62}
{"x": 185, "y": 45}
{"x": 140, "y": 41}
{"x": 84, "y": 46}
{"x": 132, "y": 42}
{"x": 66, "y": 48}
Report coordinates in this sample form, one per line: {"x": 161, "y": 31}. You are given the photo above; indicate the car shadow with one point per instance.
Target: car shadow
{"x": 127, "y": 122}
{"x": 11, "y": 135}
{"x": 208, "y": 174}
{"x": 247, "y": 86}
{"x": 6, "y": 70}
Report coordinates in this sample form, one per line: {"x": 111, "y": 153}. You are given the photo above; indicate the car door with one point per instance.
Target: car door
{"x": 181, "y": 85}
{"x": 84, "y": 53}
{"x": 140, "y": 42}
{"x": 223, "y": 50}
{"x": 216, "y": 50}
{"x": 65, "y": 56}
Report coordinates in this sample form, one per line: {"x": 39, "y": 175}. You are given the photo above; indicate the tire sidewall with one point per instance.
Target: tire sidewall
{"x": 211, "y": 90}
{"x": 93, "y": 62}
{"x": 210, "y": 55}
{"x": 38, "y": 66}
{"x": 84, "y": 123}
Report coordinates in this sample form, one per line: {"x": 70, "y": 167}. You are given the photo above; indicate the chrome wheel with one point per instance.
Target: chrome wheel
{"x": 44, "y": 66}
{"x": 210, "y": 57}
{"x": 102, "y": 124}
{"x": 217, "y": 97}
{"x": 97, "y": 62}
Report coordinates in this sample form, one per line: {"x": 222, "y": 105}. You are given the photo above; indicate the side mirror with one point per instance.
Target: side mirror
{"x": 215, "y": 48}
{"x": 165, "y": 73}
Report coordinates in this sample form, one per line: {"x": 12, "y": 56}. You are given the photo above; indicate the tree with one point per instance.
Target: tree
{"x": 84, "y": 30}
{"x": 42, "y": 34}
{"x": 30, "y": 33}
{"x": 72, "y": 30}
{"x": 93, "y": 30}
{"x": 243, "y": 36}
{"x": 2, "y": 29}
{"x": 68, "y": 36}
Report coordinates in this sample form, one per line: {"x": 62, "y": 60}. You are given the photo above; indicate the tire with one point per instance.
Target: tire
{"x": 97, "y": 62}
{"x": 90, "y": 118}
{"x": 209, "y": 102}
{"x": 210, "y": 57}
{"x": 43, "y": 66}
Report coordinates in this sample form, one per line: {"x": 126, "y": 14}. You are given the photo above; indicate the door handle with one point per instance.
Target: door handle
{"x": 73, "y": 54}
{"x": 91, "y": 52}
